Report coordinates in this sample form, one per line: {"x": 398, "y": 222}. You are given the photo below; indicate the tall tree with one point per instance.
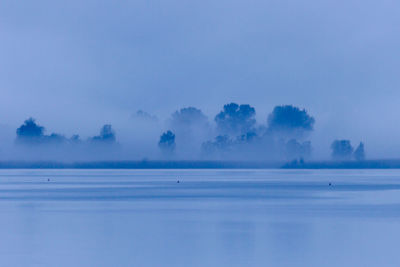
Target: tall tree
{"x": 359, "y": 153}
{"x": 341, "y": 150}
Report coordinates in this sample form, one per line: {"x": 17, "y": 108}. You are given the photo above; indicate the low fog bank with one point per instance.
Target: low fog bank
{"x": 286, "y": 134}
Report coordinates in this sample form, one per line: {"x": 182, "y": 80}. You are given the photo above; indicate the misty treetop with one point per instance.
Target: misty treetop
{"x": 189, "y": 124}
{"x": 188, "y": 116}
{"x": 30, "y": 129}
{"x": 359, "y": 153}
{"x": 290, "y": 119}
{"x": 31, "y": 133}
{"x": 238, "y": 131}
{"x": 190, "y": 127}
{"x": 107, "y": 135}
{"x": 167, "y": 142}
{"x": 342, "y": 150}
{"x": 56, "y": 138}
{"x": 144, "y": 115}
{"x": 235, "y": 135}
{"x": 236, "y": 119}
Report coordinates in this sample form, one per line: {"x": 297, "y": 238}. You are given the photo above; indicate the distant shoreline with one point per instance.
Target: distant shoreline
{"x": 150, "y": 164}
{"x": 352, "y": 164}
{"x": 143, "y": 164}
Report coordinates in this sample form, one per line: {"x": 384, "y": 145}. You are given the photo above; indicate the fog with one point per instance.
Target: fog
{"x": 234, "y": 133}
{"x": 76, "y": 66}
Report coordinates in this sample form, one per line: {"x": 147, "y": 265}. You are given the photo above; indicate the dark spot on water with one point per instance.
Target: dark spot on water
{"x": 330, "y": 184}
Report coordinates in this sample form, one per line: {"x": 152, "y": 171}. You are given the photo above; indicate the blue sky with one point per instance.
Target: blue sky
{"x": 75, "y": 65}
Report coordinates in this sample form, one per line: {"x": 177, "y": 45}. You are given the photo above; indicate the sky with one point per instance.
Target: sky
{"x": 76, "y": 65}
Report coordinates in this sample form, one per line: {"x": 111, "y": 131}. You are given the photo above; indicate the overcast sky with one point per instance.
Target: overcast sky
{"x": 75, "y": 65}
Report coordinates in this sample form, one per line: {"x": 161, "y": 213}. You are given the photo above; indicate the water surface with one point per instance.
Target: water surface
{"x": 209, "y": 218}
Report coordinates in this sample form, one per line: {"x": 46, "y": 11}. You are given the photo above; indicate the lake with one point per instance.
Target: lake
{"x": 210, "y": 218}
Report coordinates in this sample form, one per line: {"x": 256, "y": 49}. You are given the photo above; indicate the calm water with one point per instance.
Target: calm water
{"x": 209, "y": 218}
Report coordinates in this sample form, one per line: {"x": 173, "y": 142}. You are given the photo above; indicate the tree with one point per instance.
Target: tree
{"x": 30, "y": 131}
{"x": 341, "y": 150}
{"x": 236, "y": 119}
{"x": 167, "y": 142}
{"x": 188, "y": 116}
{"x": 55, "y": 138}
{"x": 191, "y": 128}
{"x": 290, "y": 120}
{"x": 359, "y": 153}
{"x": 107, "y": 135}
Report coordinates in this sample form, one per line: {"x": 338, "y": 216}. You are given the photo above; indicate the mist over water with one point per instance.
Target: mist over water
{"x": 144, "y": 106}
{"x": 187, "y": 134}
{"x": 75, "y": 67}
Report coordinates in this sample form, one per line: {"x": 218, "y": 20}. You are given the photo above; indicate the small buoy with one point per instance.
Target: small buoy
{"x": 48, "y": 180}
{"x": 178, "y": 181}
{"x": 330, "y": 184}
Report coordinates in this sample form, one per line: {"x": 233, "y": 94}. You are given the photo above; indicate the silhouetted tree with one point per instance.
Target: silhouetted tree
{"x": 30, "y": 132}
{"x": 107, "y": 135}
{"x": 236, "y": 119}
{"x": 341, "y": 150}
{"x": 55, "y": 138}
{"x": 167, "y": 142}
{"x": 359, "y": 153}
{"x": 291, "y": 120}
